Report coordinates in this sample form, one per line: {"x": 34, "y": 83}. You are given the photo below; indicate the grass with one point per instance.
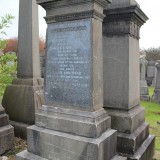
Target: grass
{"x": 153, "y": 118}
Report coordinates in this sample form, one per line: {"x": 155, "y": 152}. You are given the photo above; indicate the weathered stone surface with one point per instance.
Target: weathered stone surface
{"x": 119, "y": 158}
{"x": 144, "y": 94}
{"x": 130, "y": 143}
{"x": 127, "y": 121}
{"x": 20, "y": 129}
{"x": 28, "y": 156}
{"x": 150, "y": 72}
{"x": 156, "y": 95}
{"x": 28, "y": 40}
{"x": 6, "y": 138}
{"x": 21, "y": 100}
{"x": 121, "y": 75}
{"x": 146, "y": 151}
{"x": 73, "y": 124}
{"x": 81, "y": 123}
{"x": 52, "y": 144}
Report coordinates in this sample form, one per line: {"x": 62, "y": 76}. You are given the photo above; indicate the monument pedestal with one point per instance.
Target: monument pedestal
{"x": 121, "y": 79}
{"x": 21, "y": 99}
{"x": 6, "y": 133}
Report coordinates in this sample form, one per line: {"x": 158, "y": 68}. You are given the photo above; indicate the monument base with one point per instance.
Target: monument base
{"x": 126, "y": 121}
{"x": 6, "y": 133}
{"x": 144, "y": 94}
{"x": 50, "y": 144}
{"x": 156, "y": 96}
{"x": 22, "y": 99}
{"x": 20, "y": 129}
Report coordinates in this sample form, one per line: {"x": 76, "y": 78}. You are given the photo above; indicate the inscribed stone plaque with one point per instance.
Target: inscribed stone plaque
{"x": 68, "y": 65}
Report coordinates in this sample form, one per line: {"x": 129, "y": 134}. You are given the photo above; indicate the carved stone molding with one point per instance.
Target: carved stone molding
{"x": 74, "y": 16}
{"x": 122, "y": 21}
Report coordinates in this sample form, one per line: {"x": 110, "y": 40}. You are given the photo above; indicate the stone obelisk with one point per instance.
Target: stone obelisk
{"x": 24, "y": 96}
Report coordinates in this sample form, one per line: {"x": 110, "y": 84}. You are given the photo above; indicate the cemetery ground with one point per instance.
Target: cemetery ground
{"x": 152, "y": 117}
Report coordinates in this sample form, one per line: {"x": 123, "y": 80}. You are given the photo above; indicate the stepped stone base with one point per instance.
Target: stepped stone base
{"x": 51, "y": 144}
{"x": 6, "y": 138}
{"x": 146, "y": 151}
{"x": 129, "y": 143}
{"x": 6, "y": 133}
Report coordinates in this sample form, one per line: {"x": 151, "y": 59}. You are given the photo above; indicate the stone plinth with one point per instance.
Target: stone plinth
{"x": 156, "y": 95}
{"x": 121, "y": 79}
{"x": 144, "y": 94}
{"x": 72, "y": 124}
{"x": 25, "y": 95}
{"x": 6, "y": 133}
{"x": 150, "y": 72}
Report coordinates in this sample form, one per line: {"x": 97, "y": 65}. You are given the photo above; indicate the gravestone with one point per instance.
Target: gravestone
{"x": 150, "y": 72}
{"x": 24, "y": 96}
{"x": 6, "y": 132}
{"x": 72, "y": 125}
{"x": 154, "y": 79}
{"x": 144, "y": 94}
{"x": 156, "y": 95}
{"x": 121, "y": 29}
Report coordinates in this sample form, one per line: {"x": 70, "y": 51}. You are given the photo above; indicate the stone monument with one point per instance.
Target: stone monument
{"x": 144, "y": 94}
{"x": 6, "y": 132}
{"x": 150, "y": 72}
{"x": 72, "y": 125}
{"x": 156, "y": 95}
{"x": 154, "y": 79}
{"x": 24, "y": 96}
{"x": 121, "y": 79}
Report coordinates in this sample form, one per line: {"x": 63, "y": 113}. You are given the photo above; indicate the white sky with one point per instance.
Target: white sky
{"x": 150, "y": 32}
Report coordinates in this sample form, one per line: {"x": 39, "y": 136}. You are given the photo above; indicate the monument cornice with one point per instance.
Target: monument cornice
{"x": 124, "y": 21}
{"x": 73, "y": 16}
{"x": 62, "y": 3}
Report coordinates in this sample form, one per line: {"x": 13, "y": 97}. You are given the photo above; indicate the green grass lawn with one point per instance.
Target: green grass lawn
{"x": 153, "y": 117}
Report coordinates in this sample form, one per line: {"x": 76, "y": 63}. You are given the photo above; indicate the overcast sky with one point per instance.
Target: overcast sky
{"x": 150, "y": 32}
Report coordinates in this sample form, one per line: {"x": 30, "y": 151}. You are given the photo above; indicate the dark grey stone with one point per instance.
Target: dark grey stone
{"x": 68, "y": 71}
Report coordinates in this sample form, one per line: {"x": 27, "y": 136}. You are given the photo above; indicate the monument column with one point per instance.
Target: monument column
{"x": 24, "y": 96}
{"x": 156, "y": 95}
{"x": 144, "y": 94}
{"x": 121, "y": 79}
{"x": 6, "y": 132}
{"x": 72, "y": 125}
